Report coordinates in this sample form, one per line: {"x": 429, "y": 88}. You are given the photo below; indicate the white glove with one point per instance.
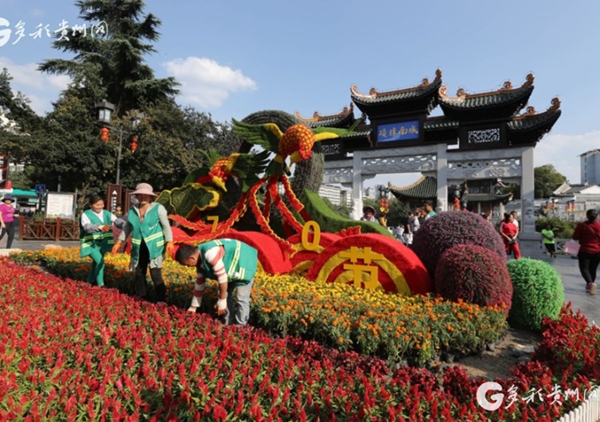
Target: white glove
{"x": 196, "y": 301}
{"x": 192, "y": 309}
{"x": 221, "y": 304}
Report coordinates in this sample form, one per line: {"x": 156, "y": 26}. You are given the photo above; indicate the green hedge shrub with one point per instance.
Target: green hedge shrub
{"x": 562, "y": 229}
{"x": 474, "y": 274}
{"x": 331, "y": 222}
{"x": 538, "y": 292}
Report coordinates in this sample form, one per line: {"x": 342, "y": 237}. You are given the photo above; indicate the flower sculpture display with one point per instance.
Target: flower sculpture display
{"x": 296, "y": 143}
{"x": 382, "y": 263}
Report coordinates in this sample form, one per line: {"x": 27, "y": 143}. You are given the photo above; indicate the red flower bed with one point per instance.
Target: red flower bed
{"x": 69, "y": 351}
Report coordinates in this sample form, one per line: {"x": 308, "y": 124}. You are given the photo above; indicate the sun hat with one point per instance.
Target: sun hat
{"x": 143, "y": 189}
{"x": 8, "y": 197}
{"x": 368, "y": 208}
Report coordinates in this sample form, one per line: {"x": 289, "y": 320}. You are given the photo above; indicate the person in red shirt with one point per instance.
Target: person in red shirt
{"x": 588, "y": 234}
{"x": 509, "y": 233}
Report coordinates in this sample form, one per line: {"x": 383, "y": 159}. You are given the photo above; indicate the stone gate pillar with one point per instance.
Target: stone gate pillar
{"x": 442, "y": 177}
{"x": 357, "y": 185}
{"x": 527, "y": 235}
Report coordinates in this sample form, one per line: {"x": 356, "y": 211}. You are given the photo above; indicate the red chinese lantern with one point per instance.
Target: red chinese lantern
{"x": 383, "y": 205}
{"x": 134, "y": 143}
{"x": 105, "y": 134}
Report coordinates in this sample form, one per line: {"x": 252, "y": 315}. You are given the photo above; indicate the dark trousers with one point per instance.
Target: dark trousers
{"x": 10, "y": 230}
{"x": 588, "y": 264}
{"x": 141, "y": 285}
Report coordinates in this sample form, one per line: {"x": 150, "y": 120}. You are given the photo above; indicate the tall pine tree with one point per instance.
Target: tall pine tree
{"x": 118, "y": 56}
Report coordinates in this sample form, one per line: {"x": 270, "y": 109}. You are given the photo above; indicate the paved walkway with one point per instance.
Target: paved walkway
{"x": 575, "y": 293}
{"x": 566, "y": 266}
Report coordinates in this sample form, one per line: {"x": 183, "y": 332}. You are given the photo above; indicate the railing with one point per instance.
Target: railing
{"x": 54, "y": 229}
{"x": 589, "y": 411}
{"x": 559, "y": 244}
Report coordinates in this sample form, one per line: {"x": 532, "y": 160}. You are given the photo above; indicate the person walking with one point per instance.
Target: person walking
{"x": 509, "y": 232}
{"x": 429, "y": 210}
{"x": 7, "y": 219}
{"x": 151, "y": 238}
{"x": 412, "y": 225}
{"x": 588, "y": 235}
{"x": 548, "y": 240}
{"x": 233, "y": 264}
{"x": 95, "y": 232}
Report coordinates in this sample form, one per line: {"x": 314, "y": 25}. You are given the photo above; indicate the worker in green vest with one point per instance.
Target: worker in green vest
{"x": 233, "y": 264}
{"x": 151, "y": 238}
{"x": 96, "y": 236}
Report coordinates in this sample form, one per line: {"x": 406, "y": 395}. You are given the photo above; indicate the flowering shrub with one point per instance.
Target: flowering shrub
{"x": 538, "y": 293}
{"x": 451, "y": 228}
{"x": 390, "y": 326}
{"x": 94, "y": 354}
{"x": 570, "y": 345}
{"x": 474, "y": 274}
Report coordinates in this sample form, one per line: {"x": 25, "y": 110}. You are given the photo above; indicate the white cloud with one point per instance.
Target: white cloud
{"x": 37, "y": 13}
{"x": 562, "y": 151}
{"x": 205, "y": 82}
{"x": 39, "y": 87}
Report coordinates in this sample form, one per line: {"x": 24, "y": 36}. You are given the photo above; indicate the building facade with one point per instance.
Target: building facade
{"x": 335, "y": 194}
{"x": 590, "y": 167}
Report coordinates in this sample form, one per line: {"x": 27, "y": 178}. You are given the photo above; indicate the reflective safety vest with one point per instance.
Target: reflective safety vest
{"x": 98, "y": 240}
{"x": 150, "y": 231}
{"x": 240, "y": 261}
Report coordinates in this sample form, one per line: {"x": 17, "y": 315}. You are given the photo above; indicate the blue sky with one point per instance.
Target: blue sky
{"x": 236, "y": 57}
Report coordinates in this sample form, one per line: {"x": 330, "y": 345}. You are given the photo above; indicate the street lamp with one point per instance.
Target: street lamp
{"x": 105, "y": 110}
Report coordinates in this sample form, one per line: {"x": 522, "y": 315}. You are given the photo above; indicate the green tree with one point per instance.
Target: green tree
{"x": 398, "y": 213}
{"x": 69, "y": 150}
{"x": 171, "y": 145}
{"x": 343, "y": 209}
{"x": 22, "y": 179}
{"x": 546, "y": 180}
{"x": 513, "y": 188}
{"x": 16, "y": 141}
{"x": 117, "y": 58}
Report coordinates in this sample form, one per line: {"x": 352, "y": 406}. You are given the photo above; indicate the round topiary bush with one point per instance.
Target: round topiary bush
{"x": 474, "y": 274}
{"x": 538, "y": 292}
{"x": 452, "y": 228}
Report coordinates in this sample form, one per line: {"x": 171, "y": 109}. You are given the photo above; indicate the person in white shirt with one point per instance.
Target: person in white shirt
{"x": 515, "y": 215}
